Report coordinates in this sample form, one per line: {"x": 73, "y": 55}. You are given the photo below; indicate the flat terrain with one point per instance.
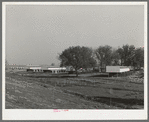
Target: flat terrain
{"x": 43, "y": 91}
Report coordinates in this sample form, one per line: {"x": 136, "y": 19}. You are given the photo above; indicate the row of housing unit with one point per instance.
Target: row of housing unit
{"x": 108, "y": 69}
{"x": 36, "y": 68}
{"x": 50, "y": 70}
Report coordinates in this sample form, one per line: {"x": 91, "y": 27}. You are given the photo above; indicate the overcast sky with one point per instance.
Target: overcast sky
{"x": 37, "y": 34}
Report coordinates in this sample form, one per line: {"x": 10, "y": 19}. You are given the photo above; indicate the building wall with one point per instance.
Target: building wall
{"x": 117, "y": 69}
{"x": 57, "y": 70}
{"x": 112, "y": 69}
{"x": 16, "y": 68}
{"x": 53, "y": 70}
{"x": 126, "y": 69}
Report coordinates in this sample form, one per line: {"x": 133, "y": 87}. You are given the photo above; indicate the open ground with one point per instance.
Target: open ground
{"x": 88, "y": 91}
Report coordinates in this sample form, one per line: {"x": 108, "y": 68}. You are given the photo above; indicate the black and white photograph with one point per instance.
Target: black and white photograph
{"x": 74, "y": 60}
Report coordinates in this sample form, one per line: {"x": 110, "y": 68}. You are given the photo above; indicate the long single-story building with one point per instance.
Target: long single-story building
{"x": 36, "y": 68}
{"x": 117, "y": 69}
{"x": 53, "y": 70}
{"x": 14, "y": 67}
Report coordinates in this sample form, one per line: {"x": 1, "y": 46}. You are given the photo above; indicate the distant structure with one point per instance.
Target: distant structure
{"x": 69, "y": 69}
{"x": 117, "y": 69}
{"x": 14, "y": 67}
{"x": 36, "y": 68}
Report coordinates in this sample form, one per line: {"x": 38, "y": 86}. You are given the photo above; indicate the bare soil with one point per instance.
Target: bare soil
{"x": 44, "y": 91}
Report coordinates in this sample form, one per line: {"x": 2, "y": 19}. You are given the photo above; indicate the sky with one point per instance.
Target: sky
{"x": 37, "y": 34}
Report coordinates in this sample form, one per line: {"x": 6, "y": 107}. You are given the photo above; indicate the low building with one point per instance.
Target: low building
{"x": 48, "y": 69}
{"x": 14, "y": 67}
{"x": 117, "y": 69}
{"x": 57, "y": 69}
{"x": 36, "y": 68}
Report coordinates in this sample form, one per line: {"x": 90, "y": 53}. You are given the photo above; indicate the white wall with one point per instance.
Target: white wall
{"x": 112, "y": 69}
{"x": 117, "y": 69}
{"x": 124, "y": 69}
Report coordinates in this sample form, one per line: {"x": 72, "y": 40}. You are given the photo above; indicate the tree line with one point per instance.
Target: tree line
{"x": 85, "y": 57}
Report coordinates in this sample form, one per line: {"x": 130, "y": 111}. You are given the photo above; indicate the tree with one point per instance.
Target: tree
{"x": 138, "y": 60}
{"x": 78, "y": 57}
{"x": 115, "y": 58}
{"x": 126, "y": 54}
{"x": 103, "y": 54}
{"x": 121, "y": 55}
{"x": 52, "y": 64}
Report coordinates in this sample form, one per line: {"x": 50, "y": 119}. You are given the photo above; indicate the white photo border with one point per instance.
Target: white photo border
{"x": 74, "y": 114}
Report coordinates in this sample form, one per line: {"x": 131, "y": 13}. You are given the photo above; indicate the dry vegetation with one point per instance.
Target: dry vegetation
{"x": 44, "y": 91}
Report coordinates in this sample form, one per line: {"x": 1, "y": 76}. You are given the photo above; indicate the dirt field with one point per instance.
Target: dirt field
{"x": 43, "y": 91}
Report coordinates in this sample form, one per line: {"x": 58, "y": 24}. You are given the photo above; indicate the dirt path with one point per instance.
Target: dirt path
{"x": 24, "y": 95}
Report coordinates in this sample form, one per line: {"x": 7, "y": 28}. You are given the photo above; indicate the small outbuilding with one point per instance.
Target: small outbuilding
{"x": 117, "y": 69}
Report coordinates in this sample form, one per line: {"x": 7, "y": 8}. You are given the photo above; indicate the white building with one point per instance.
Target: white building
{"x": 117, "y": 69}
{"x": 53, "y": 70}
{"x": 57, "y": 70}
